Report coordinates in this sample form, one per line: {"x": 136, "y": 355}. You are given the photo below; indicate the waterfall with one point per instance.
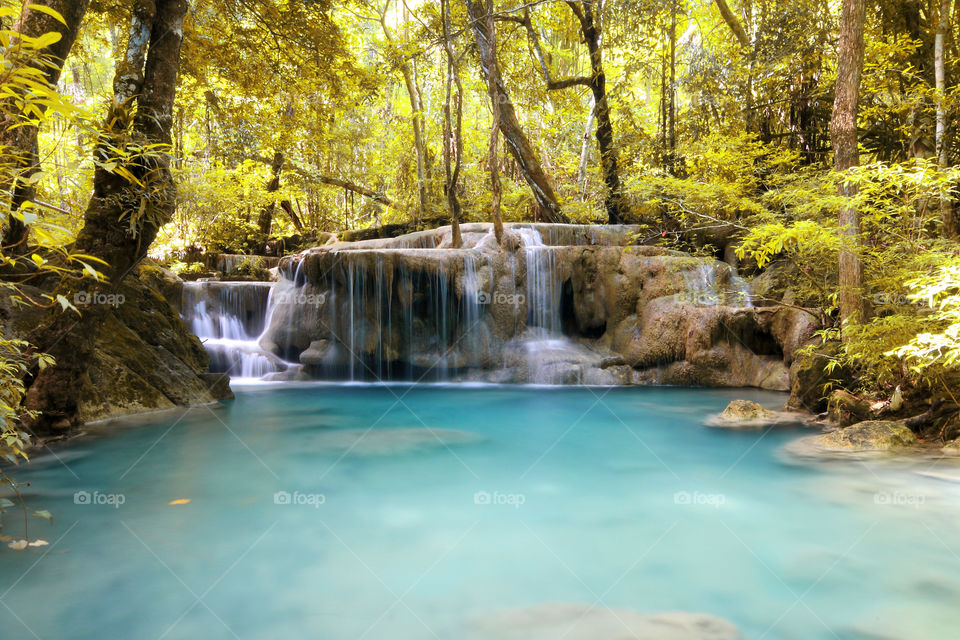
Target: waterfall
{"x": 543, "y": 284}
{"x": 229, "y": 318}
{"x": 549, "y": 304}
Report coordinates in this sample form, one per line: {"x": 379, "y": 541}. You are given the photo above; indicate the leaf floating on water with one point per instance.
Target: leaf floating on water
{"x": 18, "y": 545}
{"x": 179, "y": 501}
{"x": 39, "y": 543}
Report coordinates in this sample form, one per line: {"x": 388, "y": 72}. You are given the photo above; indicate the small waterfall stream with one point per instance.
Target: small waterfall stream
{"x": 229, "y": 318}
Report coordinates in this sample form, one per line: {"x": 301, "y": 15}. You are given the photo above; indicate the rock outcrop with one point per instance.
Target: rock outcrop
{"x": 552, "y": 304}
{"x": 145, "y": 358}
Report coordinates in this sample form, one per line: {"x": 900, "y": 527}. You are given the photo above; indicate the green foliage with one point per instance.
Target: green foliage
{"x": 934, "y": 348}
{"x": 187, "y": 270}
{"x": 252, "y": 268}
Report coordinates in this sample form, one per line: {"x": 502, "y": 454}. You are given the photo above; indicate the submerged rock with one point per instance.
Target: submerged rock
{"x": 386, "y": 442}
{"x": 585, "y": 622}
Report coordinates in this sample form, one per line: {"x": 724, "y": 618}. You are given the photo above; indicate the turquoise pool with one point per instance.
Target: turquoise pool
{"x": 407, "y": 512}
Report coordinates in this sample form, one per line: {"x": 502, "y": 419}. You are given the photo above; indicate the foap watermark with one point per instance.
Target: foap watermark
{"x": 300, "y": 499}
{"x": 881, "y": 298}
{"x": 115, "y": 500}
{"x": 695, "y": 498}
{"x": 497, "y": 498}
{"x": 89, "y": 298}
{"x": 513, "y": 299}
{"x": 899, "y": 499}
{"x": 301, "y": 299}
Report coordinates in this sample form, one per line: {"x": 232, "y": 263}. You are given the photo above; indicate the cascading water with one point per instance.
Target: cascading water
{"x": 716, "y": 284}
{"x": 543, "y": 285}
{"x": 229, "y": 317}
{"x": 543, "y": 341}
{"x": 548, "y": 304}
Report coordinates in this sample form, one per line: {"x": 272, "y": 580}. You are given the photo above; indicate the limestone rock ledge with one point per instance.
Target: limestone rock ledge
{"x": 406, "y": 303}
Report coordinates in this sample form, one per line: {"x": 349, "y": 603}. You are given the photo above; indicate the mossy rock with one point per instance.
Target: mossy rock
{"x": 952, "y": 448}
{"x": 808, "y": 375}
{"x": 845, "y": 408}
{"x": 746, "y": 411}
{"x": 870, "y": 435}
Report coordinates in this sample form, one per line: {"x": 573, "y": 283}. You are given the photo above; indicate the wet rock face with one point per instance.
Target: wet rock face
{"x": 552, "y": 304}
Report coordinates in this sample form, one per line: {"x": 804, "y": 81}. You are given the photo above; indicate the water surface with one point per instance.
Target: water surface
{"x": 460, "y": 502}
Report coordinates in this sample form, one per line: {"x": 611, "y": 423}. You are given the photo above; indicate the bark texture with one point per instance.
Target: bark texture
{"x": 943, "y": 159}
{"x": 843, "y": 136}
{"x": 123, "y": 215}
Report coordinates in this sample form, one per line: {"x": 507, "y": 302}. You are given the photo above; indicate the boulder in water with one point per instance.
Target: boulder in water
{"x": 871, "y": 436}
{"x": 952, "y": 448}
{"x": 745, "y": 413}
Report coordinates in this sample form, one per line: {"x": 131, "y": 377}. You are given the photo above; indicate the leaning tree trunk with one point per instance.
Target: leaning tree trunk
{"x": 132, "y": 198}
{"x": 18, "y": 137}
{"x": 943, "y": 160}
{"x": 519, "y": 146}
{"x": 843, "y": 136}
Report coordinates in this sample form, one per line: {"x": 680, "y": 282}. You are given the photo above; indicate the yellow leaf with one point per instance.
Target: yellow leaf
{"x": 47, "y": 10}
{"x": 47, "y": 39}
{"x": 179, "y": 501}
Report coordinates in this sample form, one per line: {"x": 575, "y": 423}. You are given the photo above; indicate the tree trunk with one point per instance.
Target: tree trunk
{"x": 20, "y": 142}
{"x": 745, "y": 43}
{"x": 843, "y": 137}
{"x": 590, "y": 29}
{"x": 943, "y": 160}
{"x": 519, "y": 146}
{"x": 733, "y": 23}
{"x": 122, "y": 217}
{"x": 265, "y": 219}
{"x": 585, "y": 151}
{"x": 292, "y": 214}
{"x": 416, "y": 105}
{"x": 495, "y": 188}
{"x": 452, "y": 134}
